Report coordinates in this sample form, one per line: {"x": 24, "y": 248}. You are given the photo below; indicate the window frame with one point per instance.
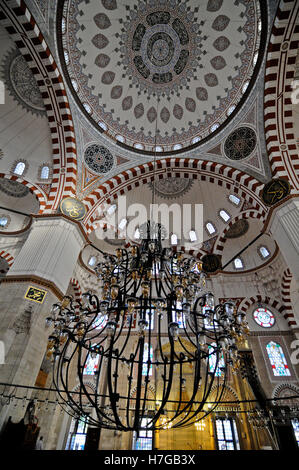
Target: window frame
{"x": 242, "y": 261}
{"x": 146, "y": 437}
{"x": 220, "y": 216}
{"x": 74, "y": 432}
{"x": 268, "y": 310}
{"x": 234, "y": 431}
{"x": 16, "y": 164}
{"x": 207, "y": 230}
{"x": 233, "y": 203}
{"x": 273, "y": 375}
{"x": 260, "y": 254}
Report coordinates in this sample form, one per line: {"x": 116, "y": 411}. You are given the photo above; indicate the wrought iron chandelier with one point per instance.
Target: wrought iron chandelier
{"x": 163, "y": 348}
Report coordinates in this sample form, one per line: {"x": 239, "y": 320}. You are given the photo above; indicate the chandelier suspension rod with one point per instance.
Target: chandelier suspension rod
{"x": 245, "y": 248}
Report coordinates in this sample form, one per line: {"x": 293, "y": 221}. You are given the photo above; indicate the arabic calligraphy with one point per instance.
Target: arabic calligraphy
{"x": 275, "y": 191}
{"x": 35, "y": 294}
{"x": 73, "y": 208}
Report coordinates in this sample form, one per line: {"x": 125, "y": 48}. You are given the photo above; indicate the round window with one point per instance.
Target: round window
{"x": 264, "y": 317}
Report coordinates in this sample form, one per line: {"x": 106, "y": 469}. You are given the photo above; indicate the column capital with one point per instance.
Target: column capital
{"x": 50, "y": 252}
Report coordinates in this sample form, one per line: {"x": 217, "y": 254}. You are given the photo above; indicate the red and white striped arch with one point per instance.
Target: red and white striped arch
{"x": 224, "y": 176}
{"x": 246, "y": 303}
{"x": 8, "y": 257}
{"x": 219, "y": 244}
{"x": 16, "y": 18}
{"x": 278, "y": 112}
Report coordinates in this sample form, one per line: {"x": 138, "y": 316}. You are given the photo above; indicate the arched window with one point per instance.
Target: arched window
{"x": 91, "y": 364}
{"x": 147, "y": 355}
{"x": 174, "y": 239}
{"x": 238, "y": 263}
{"x": 234, "y": 199}
{"x": 213, "y": 360}
{"x": 92, "y": 261}
{"x": 45, "y": 172}
{"x": 210, "y": 228}
{"x": 3, "y": 221}
{"x": 264, "y": 252}
{"x": 193, "y": 236}
{"x": 277, "y": 359}
{"x": 19, "y": 168}
{"x": 224, "y": 215}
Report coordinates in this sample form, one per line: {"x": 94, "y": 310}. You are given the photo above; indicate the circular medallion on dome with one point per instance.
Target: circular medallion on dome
{"x": 240, "y": 143}
{"x": 180, "y": 66}
{"x": 264, "y": 317}
{"x": 171, "y": 188}
{"x": 21, "y": 83}
{"x": 98, "y": 158}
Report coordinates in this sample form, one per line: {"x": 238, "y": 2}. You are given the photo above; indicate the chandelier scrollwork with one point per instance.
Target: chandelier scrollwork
{"x": 161, "y": 343}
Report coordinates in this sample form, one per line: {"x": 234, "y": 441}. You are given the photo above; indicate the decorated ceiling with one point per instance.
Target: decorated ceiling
{"x": 160, "y": 75}
{"x": 99, "y": 90}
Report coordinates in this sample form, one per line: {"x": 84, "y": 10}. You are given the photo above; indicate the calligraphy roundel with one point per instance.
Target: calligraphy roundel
{"x": 274, "y": 191}
{"x": 73, "y": 208}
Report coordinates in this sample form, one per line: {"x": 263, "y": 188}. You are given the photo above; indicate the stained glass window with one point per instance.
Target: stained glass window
{"x": 227, "y": 436}
{"x": 145, "y": 438}
{"x": 91, "y": 364}
{"x": 277, "y": 359}
{"x": 264, "y": 317}
{"x": 213, "y": 360}
{"x": 77, "y": 434}
{"x": 147, "y": 354}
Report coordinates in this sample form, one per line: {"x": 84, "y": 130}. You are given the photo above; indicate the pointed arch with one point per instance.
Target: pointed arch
{"x": 24, "y": 31}
{"x": 246, "y": 303}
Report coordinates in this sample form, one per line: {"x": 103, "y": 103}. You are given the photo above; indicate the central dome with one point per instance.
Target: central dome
{"x": 180, "y": 67}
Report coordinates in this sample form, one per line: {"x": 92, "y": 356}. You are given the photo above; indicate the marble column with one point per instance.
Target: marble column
{"x": 46, "y": 262}
{"x": 284, "y": 227}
